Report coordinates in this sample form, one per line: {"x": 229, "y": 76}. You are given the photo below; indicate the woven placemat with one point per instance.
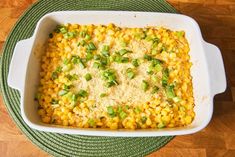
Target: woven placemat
{"x": 75, "y": 145}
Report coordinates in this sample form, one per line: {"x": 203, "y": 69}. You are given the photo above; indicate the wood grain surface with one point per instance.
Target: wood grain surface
{"x": 217, "y": 21}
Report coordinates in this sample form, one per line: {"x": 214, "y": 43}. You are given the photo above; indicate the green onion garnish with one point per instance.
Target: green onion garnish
{"x": 122, "y": 115}
{"x": 62, "y": 92}
{"x": 170, "y": 91}
{"x": 111, "y": 111}
{"x": 54, "y": 101}
{"x": 148, "y": 57}
{"x": 135, "y": 62}
{"x": 143, "y": 119}
{"x": 91, "y": 122}
{"x": 87, "y": 37}
{"x": 82, "y": 93}
{"x": 103, "y": 95}
{"x": 130, "y": 73}
{"x": 91, "y": 46}
{"x": 155, "y": 89}
{"x": 145, "y": 85}
{"x": 88, "y": 77}
{"x": 123, "y": 52}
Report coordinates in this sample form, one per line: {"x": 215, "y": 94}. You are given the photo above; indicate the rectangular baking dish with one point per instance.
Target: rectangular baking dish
{"x": 207, "y": 70}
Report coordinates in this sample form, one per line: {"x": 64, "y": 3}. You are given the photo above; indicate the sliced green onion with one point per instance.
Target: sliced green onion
{"x": 111, "y": 111}
{"x": 87, "y": 37}
{"x": 72, "y": 77}
{"x": 143, "y": 119}
{"x": 176, "y": 99}
{"x": 127, "y": 107}
{"x": 130, "y": 73}
{"x": 83, "y": 43}
{"x": 54, "y": 101}
{"x": 148, "y": 57}
{"x": 122, "y": 115}
{"x": 63, "y": 30}
{"x": 88, "y": 77}
{"x": 155, "y": 89}
{"x": 54, "y": 75}
{"x": 105, "y": 53}
{"x": 161, "y": 125}
{"x": 67, "y": 67}
{"x": 83, "y": 34}
{"x": 123, "y": 52}
{"x": 170, "y": 91}
{"x": 82, "y": 93}
{"x": 145, "y": 85}
{"x": 63, "y": 92}
{"x": 103, "y": 95}
{"x": 165, "y": 76}
{"x": 135, "y": 62}
{"x": 91, "y": 46}
{"x": 158, "y": 67}
{"x": 89, "y": 56}
{"x": 66, "y": 61}
{"x": 137, "y": 110}
{"x": 50, "y": 35}
{"x": 91, "y": 122}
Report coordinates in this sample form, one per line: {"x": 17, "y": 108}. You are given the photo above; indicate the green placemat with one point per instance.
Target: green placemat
{"x": 75, "y": 145}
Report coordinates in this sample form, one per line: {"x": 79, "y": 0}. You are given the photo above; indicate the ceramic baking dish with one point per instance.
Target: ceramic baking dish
{"x": 207, "y": 70}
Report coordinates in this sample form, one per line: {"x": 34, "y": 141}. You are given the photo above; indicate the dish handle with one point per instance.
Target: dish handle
{"x": 18, "y": 65}
{"x": 215, "y": 68}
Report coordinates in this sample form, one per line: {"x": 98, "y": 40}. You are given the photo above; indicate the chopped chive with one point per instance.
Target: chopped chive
{"x": 155, "y": 89}
{"x": 143, "y": 119}
{"x": 127, "y": 107}
{"x": 135, "y": 62}
{"x": 158, "y": 67}
{"x": 156, "y": 40}
{"x": 145, "y": 85}
{"x": 103, "y": 95}
{"x": 74, "y": 59}
{"x": 119, "y": 109}
{"x": 78, "y": 44}
{"x": 88, "y": 77}
{"x": 62, "y": 92}
{"x": 74, "y": 97}
{"x": 111, "y": 111}
{"x": 82, "y": 93}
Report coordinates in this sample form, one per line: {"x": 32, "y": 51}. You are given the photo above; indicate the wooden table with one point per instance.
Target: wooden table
{"x": 217, "y": 21}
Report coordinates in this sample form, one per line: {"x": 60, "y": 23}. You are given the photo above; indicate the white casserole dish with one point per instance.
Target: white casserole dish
{"x": 207, "y": 70}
